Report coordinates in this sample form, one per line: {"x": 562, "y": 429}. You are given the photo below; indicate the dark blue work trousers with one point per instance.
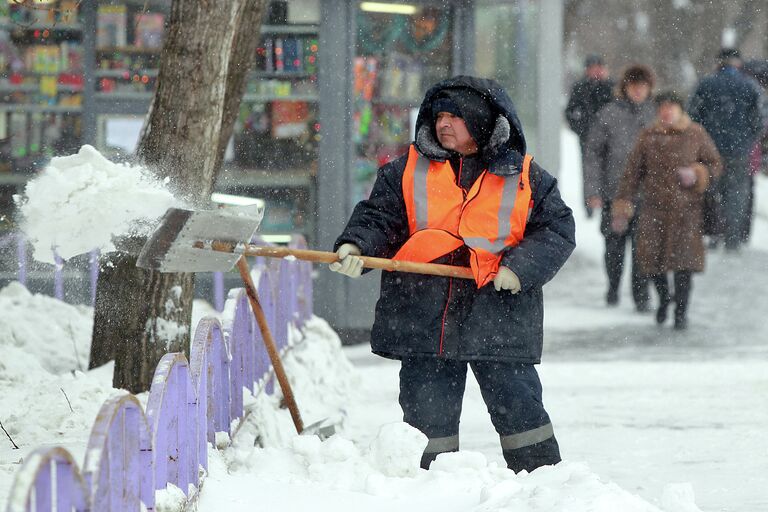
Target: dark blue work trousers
{"x": 431, "y": 393}
{"x": 734, "y": 190}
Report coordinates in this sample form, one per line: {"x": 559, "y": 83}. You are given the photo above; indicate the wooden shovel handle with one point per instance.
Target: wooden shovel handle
{"x": 413, "y": 267}
{"x": 269, "y": 343}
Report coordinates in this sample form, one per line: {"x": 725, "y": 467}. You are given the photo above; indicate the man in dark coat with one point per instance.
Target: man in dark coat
{"x": 611, "y": 139}
{"x": 437, "y": 326}
{"x": 728, "y": 105}
{"x": 588, "y": 96}
{"x": 757, "y": 70}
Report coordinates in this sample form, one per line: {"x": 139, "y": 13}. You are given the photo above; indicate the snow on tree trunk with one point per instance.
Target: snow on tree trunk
{"x": 140, "y": 315}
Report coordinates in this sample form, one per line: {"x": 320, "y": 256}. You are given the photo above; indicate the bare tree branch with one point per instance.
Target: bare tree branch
{"x": 15, "y": 446}
{"x": 67, "y": 398}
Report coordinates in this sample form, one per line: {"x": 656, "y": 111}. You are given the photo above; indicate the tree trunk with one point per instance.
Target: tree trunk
{"x": 141, "y": 315}
{"x": 246, "y": 41}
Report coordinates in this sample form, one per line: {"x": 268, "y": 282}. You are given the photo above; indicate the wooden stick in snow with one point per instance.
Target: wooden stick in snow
{"x": 15, "y": 446}
{"x": 68, "y": 402}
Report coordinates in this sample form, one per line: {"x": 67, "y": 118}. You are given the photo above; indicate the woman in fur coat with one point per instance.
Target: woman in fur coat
{"x": 671, "y": 167}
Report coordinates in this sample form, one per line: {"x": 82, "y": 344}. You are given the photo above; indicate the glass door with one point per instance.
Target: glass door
{"x": 401, "y": 50}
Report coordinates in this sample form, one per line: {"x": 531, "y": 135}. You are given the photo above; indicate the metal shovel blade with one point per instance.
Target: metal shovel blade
{"x": 170, "y": 247}
{"x": 324, "y": 428}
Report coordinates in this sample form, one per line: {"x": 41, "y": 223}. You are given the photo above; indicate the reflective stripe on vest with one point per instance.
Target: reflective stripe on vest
{"x": 509, "y": 193}
{"x": 420, "y": 193}
{"x": 491, "y": 218}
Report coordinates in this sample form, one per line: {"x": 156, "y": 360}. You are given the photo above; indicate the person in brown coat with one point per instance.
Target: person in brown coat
{"x": 671, "y": 166}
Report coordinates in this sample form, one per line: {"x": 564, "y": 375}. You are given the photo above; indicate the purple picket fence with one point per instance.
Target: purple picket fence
{"x": 57, "y": 273}
{"x": 34, "y": 486}
{"x": 118, "y": 461}
{"x": 303, "y": 293}
{"x": 131, "y": 453}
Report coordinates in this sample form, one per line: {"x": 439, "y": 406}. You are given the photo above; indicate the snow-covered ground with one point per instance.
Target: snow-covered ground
{"x": 647, "y": 419}
{"x": 669, "y": 417}
{"x": 47, "y": 395}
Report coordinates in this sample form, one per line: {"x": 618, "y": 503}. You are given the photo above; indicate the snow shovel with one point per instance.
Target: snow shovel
{"x": 214, "y": 240}
{"x": 274, "y": 357}
{"x": 167, "y": 243}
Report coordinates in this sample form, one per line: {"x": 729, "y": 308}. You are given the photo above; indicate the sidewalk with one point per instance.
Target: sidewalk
{"x": 642, "y": 405}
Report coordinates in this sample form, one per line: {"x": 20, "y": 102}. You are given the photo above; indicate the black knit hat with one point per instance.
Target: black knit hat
{"x": 593, "y": 60}
{"x": 669, "y": 97}
{"x": 472, "y": 107}
{"x": 728, "y": 53}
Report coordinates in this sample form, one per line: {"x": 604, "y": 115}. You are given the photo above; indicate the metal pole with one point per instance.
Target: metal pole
{"x": 21, "y": 253}
{"x": 337, "y": 47}
{"x": 58, "y": 278}
{"x": 218, "y": 291}
{"x": 94, "y": 268}
{"x": 550, "y": 100}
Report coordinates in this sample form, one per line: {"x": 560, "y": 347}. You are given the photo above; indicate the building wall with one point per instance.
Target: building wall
{"x": 679, "y": 39}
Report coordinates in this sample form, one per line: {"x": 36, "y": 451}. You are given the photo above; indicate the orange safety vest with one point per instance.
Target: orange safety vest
{"x": 491, "y": 218}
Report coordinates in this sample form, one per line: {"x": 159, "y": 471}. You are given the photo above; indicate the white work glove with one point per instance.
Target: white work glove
{"x": 506, "y": 280}
{"x": 349, "y": 263}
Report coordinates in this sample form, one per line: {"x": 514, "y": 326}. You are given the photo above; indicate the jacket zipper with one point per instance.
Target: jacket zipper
{"x": 450, "y": 279}
{"x": 467, "y": 201}
{"x": 445, "y": 311}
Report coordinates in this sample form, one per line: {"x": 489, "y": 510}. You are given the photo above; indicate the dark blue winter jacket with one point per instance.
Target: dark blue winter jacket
{"x": 727, "y": 104}
{"x": 439, "y": 316}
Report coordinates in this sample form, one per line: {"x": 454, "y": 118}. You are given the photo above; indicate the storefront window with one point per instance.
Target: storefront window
{"x": 505, "y": 50}
{"x": 401, "y": 50}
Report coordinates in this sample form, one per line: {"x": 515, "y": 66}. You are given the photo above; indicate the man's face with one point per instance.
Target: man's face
{"x": 638, "y": 92}
{"x": 452, "y": 133}
{"x": 669, "y": 113}
{"x": 597, "y": 72}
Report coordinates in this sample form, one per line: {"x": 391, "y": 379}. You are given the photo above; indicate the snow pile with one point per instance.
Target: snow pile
{"x": 54, "y": 409}
{"x": 81, "y": 202}
{"x": 44, "y": 393}
{"x": 320, "y": 373}
{"x": 323, "y": 381}
{"x": 386, "y": 476}
{"x": 46, "y": 396}
{"x": 41, "y": 334}
{"x": 267, "y": 462}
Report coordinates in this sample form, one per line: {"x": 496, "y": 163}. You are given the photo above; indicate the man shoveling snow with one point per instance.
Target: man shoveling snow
{"x": 466, "y": 195}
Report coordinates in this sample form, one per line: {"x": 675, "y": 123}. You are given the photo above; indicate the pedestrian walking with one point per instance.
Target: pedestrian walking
{"x": 466, "y": 194}
{"x": 758, "y": 158}
{"x": 728, "y": 105}
{"x": 610, "y": 140}
{"x": 588, "y": 95}
{"x": 672, "y": 164}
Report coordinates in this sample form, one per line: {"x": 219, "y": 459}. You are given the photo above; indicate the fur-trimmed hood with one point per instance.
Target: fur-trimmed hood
{"x": 503, "y": 154}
